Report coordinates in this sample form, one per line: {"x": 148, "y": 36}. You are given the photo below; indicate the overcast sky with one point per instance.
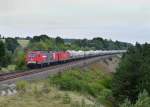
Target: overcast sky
{"x": 124, "y": 20}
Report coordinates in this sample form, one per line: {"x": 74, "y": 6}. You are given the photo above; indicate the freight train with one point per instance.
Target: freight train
{"x": 46, "y": 58}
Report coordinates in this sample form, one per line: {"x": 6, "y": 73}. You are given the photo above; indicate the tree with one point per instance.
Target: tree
{"x": 11, "y": 44}
{"x": 132, "y": 76}
{"x": 42, "y": 42}
{"x": 40, "y": 38}
{"x": 2, "y": 49}
{"x": 28, "y": 38}
{"x": 59, "y": 41}
{"x": 98, "y": 43}
{"x": 4, "y": 55}
{"x": 59, "y": 44}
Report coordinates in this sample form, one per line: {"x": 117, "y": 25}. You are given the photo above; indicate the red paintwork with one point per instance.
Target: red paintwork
{"x": 36, "y": 57}
{"x": 61, "y": 56}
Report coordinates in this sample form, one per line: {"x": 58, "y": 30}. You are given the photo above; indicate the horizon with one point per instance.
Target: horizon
{"x": 21, "y": 37}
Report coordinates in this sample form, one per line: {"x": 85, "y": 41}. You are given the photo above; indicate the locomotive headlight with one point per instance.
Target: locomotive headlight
{"x": 29, "y": 62}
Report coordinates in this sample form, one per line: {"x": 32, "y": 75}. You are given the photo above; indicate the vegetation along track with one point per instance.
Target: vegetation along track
{"x": 9, "y": 78}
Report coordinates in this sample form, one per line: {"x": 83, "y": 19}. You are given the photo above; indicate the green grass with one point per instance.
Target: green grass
{"x": 9, "y": 68}
{"x": 23, "y": 43}
{"x": 40, "y": 94}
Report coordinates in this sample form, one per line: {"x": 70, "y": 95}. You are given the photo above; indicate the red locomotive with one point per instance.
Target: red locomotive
{"x": 45, "y": 58}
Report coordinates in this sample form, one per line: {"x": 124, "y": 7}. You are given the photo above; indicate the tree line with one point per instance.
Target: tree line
{"x": 101, "y": 44}
{"x": 45, "y": 42}
{"x": 11, "y": 52}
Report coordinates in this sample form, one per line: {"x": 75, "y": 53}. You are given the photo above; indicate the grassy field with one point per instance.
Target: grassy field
{"x": 9, "y": 68}
{"x": 23, "y": 43}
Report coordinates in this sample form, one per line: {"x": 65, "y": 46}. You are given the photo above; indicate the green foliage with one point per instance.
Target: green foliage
{"x": 143, "y": 101}
{"x": 87, "y": 82}
{"x": 5, "y": 56}
{"x": 6, "y": 51}
{"x": 39, "y": 38}
{"x": 6, "y": 60}
{"x": 59, "y": 41}
{"x": 100, "y": 44}
{"x": 11, "y": 44}
{"x": 60, "y": 45}
{"x": 42, "y": 42}
{"x": 19, "y": 59}
{"x": 2, "y": 49}
{"x": 132, "y": 76}
{"x": 2, "y": 52}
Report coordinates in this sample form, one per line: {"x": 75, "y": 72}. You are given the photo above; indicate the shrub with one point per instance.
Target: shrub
{"x": 105, "y": 97}
{"x": 81, "y": 81}
{"x": 20, "y": 60}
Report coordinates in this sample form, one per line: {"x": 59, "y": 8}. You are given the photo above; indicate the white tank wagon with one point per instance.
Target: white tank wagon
{"x": 82, "y": 54}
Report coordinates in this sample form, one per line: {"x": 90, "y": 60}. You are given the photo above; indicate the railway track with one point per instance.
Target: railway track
{"x": 9, "y": 78}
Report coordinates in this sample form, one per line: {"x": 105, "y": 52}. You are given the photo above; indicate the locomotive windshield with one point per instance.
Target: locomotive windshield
{"x": 32, "y": 55}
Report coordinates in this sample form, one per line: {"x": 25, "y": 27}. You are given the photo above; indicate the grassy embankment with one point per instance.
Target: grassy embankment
{"x": 85, "y": 87}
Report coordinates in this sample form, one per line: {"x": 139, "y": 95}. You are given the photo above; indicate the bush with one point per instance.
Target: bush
{"x": 105, "y": 97}
{"x": 20, "y": 59}
{"x": 68, "y": 82}
{"x": 81, "y": 81}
